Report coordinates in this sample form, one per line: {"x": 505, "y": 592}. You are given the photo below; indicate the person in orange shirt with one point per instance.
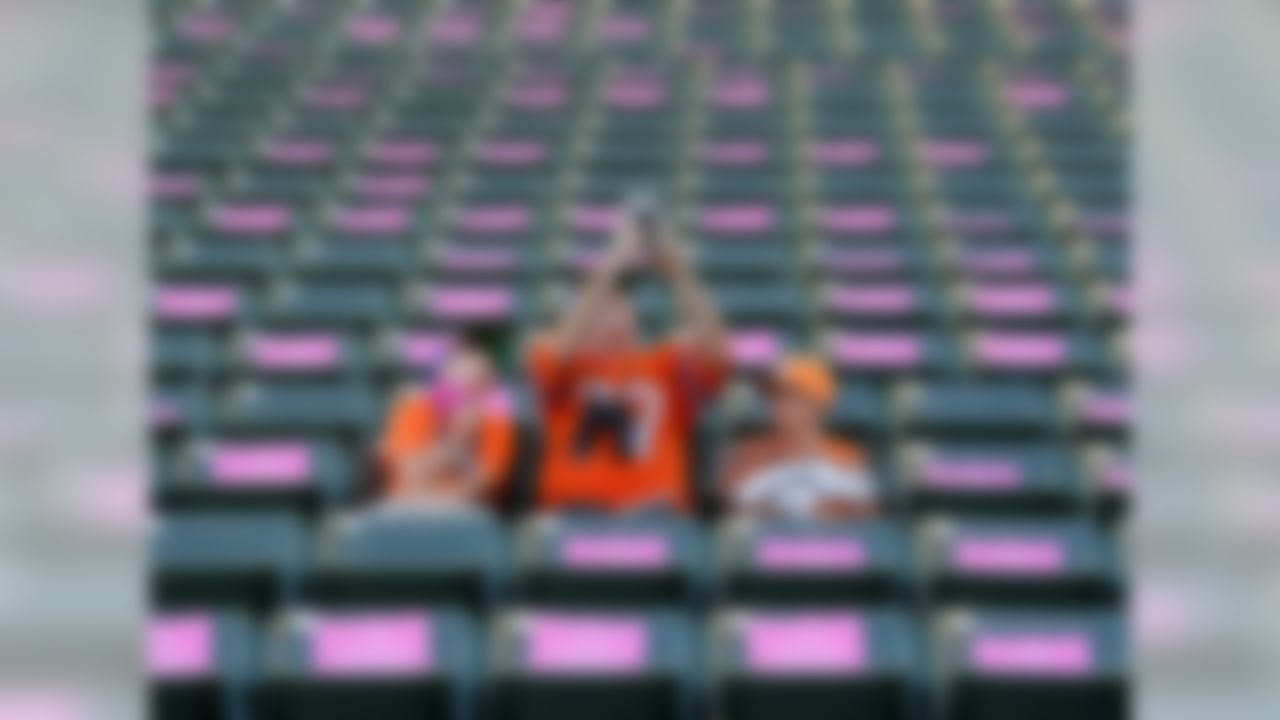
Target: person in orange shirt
{"x": 452, "y": 442}
{"x": 796, "y": 470}
{"x": 617, "y": 414}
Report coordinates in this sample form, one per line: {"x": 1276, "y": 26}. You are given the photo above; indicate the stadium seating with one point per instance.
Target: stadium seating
{"x": 411, "y": 556}
{"x": 594, "y": 561}
{"x": 201, "y": 664}
{"x": 796, "y": 564}
{"x": 1021, "y": 563}
{"x": 818, "y": 664}
{"x": 553, "y": 663}
{"x": 996, "y": 665}
{"x": 252, "y": 561}
{"x": 932, "y": 196}
{"x": 387, "y": 663}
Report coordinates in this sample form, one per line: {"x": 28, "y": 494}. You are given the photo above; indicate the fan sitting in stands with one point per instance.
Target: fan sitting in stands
{"x": 617, "y": 414}
{"x": 796, "y": 470}
{"x": 451, "y": 443}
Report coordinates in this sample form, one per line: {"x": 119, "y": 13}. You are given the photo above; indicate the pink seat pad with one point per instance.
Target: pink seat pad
{"x": 391, "y": 644}
{"x": 810, "y": 554}
{"x": 585, "y": 645}
{"x": 181, "y": 646}
{"x": 1033, "y": 654}
{"x": 806, "y": 645}
{"x": 1013, "y": 556}
{"x": 645, "y": 552}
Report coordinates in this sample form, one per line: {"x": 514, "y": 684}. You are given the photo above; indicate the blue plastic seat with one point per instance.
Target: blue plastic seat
{"x": 818, "y": 663}
{"x": 587, "y": 560}
{"x": 407, "y": 555}
{"x": 957, "y": 407}
{"x": 810, "y": 564}
{"x": 292, "y": 473}
{"x": 201, "y": 663}
{"x": 185, "y": 352}
{"x": 991, "y": 478}
{"x": 1068, "y": 665}
{"x": 1021, "y": 563}
{"x": 334, "y": 302}
{"x": 298, "y": 352}
{"x": 553, "y": 663}
{"x": 272, "y": 407}
{"x": 251, "y": 560}
{"x": 177, "y": 407}
{"x": 391, "y": 662}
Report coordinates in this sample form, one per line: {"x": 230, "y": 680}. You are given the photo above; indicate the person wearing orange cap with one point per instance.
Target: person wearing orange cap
{"x": 795, "y": 469}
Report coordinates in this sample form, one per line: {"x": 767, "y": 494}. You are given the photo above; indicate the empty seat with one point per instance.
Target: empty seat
{"x": 200, "y": 302}
{"x": 384, "y": 662}
{"x": 201, "y": 663}
{"x": 862, "y": 408}
{"x": 1036, "y": 352}
{"x": 179, "y": 407}
{"x": 297, "y": 352}
{"x": 634, "y": 561}
{"x": 979, "y": 407}
{"x": 1020, "y": 302}
{"x": 1067, "y": 665}
{"x": 409, "y": 555}
{"x": 740, "y": 221}
{"x": 185, "y": 352}
{"x": 892, "y": 351}
{"x": 488, "y": 303}
{"x": 817, "y": 664}
{"x": 251, "y": 560}
{"x": 274, "y": 407}
{"x": 799, "y": 564}
{"x": 1065, "y": 563}
{"x": 334, "y": 302}
{"x": 990, "y": 478}
{"x": 885, "y": 302}
{"x": 635, "y": 665}
{"x": 304, "y": 474}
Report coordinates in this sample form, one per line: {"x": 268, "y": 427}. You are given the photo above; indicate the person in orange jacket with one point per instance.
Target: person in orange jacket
{"x": 616, "y": 413}
{"x": 453, "y": 441}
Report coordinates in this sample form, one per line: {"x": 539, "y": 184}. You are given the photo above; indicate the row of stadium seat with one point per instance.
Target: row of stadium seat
{"x": 309, "y": 474}
{"x": 930, "y": 195}
{"x": 975, "y": 407}
{"x": 310, "y": 352}
{"x": 643, "y": 27}
{"x": 888, "y": 301}
{"x": 257, "y": 561}
{"x": 545, "y": 663}
{"x": 900, "y": 261}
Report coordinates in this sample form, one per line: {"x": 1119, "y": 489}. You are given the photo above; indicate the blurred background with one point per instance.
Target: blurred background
{"x": 934, "y": 195}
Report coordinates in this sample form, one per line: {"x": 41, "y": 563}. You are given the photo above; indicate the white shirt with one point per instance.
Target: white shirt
{"x": 797, "y": 487}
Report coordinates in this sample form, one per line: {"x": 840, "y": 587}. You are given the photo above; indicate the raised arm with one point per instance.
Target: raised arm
{"x": 699, "y": 315}
{"x": 568, "y": 334}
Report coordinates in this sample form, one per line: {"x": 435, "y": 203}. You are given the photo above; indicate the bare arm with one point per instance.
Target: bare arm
{"x": 568, "y": 333}
{"x": 698, "y": 312}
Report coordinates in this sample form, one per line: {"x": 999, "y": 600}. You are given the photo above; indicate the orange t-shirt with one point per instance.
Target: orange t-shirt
{"x": 617, "y": 427}
{"x": 414, "y": 423}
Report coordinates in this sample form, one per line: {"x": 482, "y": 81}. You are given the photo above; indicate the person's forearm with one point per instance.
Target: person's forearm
{"x": 573, "y": 326}
{"x": 697, "y": 310}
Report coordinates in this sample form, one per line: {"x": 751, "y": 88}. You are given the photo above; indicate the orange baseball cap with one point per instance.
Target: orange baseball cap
{"x": 808, "y": 376}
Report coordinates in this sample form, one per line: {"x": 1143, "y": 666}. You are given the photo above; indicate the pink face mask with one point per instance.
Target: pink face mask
{"x": 449, "y": 396}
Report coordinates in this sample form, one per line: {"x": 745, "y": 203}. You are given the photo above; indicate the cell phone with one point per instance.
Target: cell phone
{"x": 643, "y": 207}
